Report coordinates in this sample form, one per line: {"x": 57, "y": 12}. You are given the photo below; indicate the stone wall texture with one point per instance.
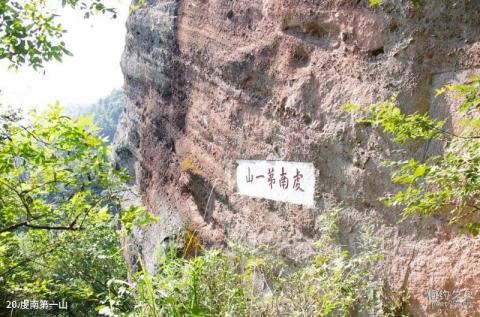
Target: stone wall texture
{"x": 212, "y": 81}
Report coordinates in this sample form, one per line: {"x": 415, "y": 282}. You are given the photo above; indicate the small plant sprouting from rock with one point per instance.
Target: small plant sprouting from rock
{"x": 373, "y": 3}
{"x": 395, "y": 303}
{"x": 193, "y": 245}
{"x": 189, "y": 165}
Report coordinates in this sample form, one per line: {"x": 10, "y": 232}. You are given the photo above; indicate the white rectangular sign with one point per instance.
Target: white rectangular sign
{"x": 292, "y": 182}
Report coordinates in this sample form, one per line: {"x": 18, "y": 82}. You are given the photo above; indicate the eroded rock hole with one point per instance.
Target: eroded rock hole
{"x": 377, "y": 52}
{"x": 313, "y": 28}
{"x": 300, "y": 57}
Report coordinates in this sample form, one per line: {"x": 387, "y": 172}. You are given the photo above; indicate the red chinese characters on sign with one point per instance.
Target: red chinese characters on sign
{"x": 283, "y": 179}
{"x": 296, "y": 181}
{"x": 286, "y": 181}
{"x": 271, "y": 177}
{"x": 249, "y": 177}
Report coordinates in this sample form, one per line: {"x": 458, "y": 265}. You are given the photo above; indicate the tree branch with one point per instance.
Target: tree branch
{"x": 41, "y": 227}
{"x": 21, "y": 197}
{"x": 49, "y": 249}
{"x": 456, "y": 135}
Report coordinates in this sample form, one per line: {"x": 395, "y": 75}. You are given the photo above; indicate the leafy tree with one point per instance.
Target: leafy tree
{"x": 31, "y": 35}
{"x": 60, "y": 215}
{"x": 446, "y": 182}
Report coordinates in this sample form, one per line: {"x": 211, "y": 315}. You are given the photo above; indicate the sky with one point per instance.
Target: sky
{"x": 90, "y": 74}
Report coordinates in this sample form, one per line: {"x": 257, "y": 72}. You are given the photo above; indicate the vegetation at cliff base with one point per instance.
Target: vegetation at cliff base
{"x": 241, "y": 281}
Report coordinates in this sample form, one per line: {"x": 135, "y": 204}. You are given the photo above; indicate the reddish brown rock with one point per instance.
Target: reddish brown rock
{"x": 212, "y": 81}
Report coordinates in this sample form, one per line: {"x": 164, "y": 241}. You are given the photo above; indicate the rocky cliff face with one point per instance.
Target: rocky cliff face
{"x": 212, "y": 81}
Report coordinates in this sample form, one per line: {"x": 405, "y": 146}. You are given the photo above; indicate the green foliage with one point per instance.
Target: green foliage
{"x": 337, "y": 282}
{"x": 373, "y": 3}
{"x": 446, "y": 182}
{"x": 242, "y": 281}
{"x": 106, "y": 113}
{"x": 469, "y": 93}
{"x": 54, "y": 173}
{"x": 402, "y": 127}
{"x": 135, "y": 5}
{"x": 30, "y": 34}
{"x": 395, "y": 303}
{"x": 69, "y": 265}
{"x": 60, "y": 214}
{"x": 175, "y": 290}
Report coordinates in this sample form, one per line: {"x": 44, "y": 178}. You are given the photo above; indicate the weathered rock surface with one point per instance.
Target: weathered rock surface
{"x": 212, "y": 81}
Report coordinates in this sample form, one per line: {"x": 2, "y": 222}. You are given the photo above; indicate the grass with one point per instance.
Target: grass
{"x": 244, "y": 281}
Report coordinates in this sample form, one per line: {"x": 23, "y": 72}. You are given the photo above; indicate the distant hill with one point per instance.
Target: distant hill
{"x": 106, "y": 112}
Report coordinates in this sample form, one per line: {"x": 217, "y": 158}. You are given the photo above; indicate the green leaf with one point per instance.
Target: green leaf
{"x": 420, "y": 171}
